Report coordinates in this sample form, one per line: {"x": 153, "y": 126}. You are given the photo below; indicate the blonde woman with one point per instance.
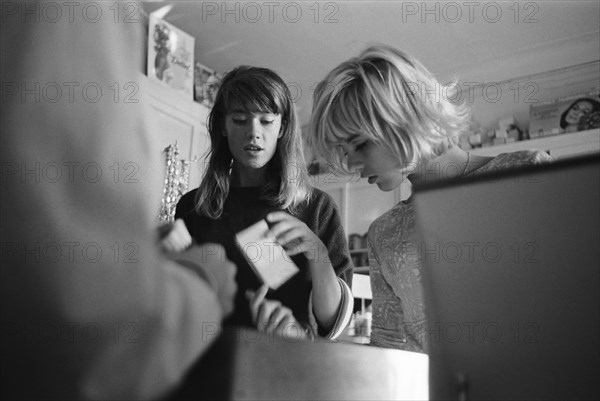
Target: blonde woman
{"x": 385, "y": 116}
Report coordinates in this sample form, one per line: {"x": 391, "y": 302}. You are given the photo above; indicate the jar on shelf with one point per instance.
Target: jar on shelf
{"x": 355, "y": 241}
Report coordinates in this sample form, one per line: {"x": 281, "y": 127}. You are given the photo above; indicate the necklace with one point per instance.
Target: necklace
{"x": 466, "y": 164}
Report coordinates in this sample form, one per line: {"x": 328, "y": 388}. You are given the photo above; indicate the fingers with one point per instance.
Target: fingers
{"x": 297, "y": 248}
{"x": 274, "y": 217}
{"x": 183, "y": 236}
{"x": 294, "y": 236}
{"x": 281, "y": 222}
{"x": 178, "y": 238}
{"x": 168, "y": 245}
{"x": 272, "y": 317}
{"x": 285, "y": 325}
{"x": 286, "y": 322}
{"x": 228, "y": 287}
{"x": 290, "y": 328}
{"x": 172, "y": 245}
{"x": 287, "y": 229}
{"x": 264, "y": 312}
{"x": 256, "y": 300}
{"x": 279, "y": 314}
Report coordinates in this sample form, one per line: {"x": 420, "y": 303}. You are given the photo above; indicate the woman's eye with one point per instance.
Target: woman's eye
{"x": 239, "y": 121}
{"x": 267, "y": 122}
{"x": 360, "y": 146}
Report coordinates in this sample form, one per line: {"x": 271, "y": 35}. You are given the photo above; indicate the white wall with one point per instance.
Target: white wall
{"x": 548, "y": 71}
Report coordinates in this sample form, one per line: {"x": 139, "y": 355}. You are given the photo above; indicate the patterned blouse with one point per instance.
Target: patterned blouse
{"x": 398, "y": 308}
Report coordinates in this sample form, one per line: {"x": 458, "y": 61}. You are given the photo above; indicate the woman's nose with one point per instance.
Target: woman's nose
{"x": 255, "y": 129}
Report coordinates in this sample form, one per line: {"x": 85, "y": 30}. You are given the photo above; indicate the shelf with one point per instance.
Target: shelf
{"x": 357, "y": 251}
{"x": 560, "y": 146}
{"x": 361, "y": 269}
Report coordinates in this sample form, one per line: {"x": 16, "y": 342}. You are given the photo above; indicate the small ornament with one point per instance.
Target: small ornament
{"x": 176, "y": 183}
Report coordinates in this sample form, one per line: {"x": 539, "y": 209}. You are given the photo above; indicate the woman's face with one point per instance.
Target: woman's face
{"x": 252, "y": 137}
{"x": 376, "y": 163}
{"x": 577, "y": 111}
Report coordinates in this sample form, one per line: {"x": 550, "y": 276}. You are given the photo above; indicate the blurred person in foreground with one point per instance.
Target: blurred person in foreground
{"x": 90, "y": 307}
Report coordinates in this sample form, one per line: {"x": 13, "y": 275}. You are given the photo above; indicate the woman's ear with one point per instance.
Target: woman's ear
{"x": 283, "y": 125}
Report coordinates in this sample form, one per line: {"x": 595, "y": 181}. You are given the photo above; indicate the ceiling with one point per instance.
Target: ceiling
{"x": 303, "y": 40}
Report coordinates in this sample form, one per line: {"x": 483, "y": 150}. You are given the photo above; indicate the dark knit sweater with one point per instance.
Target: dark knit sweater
{"x": 245, "y": 207}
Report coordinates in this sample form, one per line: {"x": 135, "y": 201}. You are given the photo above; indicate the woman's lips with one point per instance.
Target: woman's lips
{"x": 253, "y": 148}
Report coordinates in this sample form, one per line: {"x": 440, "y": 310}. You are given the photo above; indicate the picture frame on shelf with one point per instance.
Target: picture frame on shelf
{"x": 206, "y": 84}
{"x": 170, "y": 56}
{"x": 574, "y": 113}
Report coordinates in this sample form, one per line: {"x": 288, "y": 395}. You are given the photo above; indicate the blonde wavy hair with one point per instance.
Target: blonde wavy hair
{"x": 255, "y": 89}
{"x": 388, "y": 97}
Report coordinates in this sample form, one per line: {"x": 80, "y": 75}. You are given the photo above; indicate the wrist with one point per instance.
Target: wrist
{"x": 318, "y": 255}
{"x": 319, "y": 263}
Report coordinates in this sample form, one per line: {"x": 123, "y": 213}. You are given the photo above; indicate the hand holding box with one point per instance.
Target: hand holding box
{"x": 268, "y": 258}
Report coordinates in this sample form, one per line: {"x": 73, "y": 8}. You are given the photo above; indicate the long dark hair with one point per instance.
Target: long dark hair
{"x": 254, "y": 89}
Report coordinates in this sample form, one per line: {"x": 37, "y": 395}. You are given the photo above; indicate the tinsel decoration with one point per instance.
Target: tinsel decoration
{"x": 177, "y": 176}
